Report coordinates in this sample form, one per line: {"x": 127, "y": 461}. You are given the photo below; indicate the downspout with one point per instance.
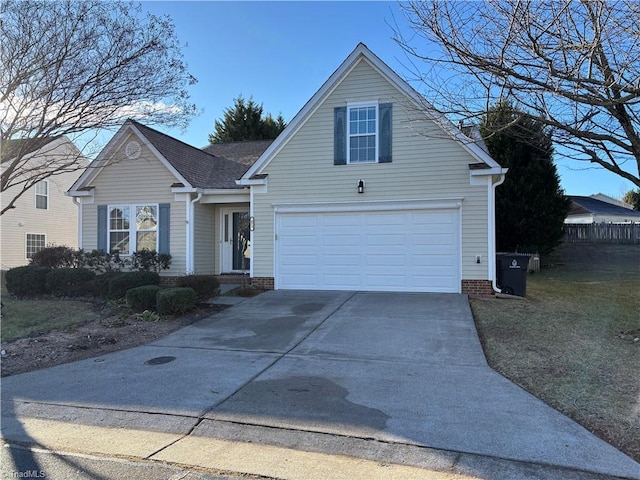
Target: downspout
{"x": 492, "y": 228}
{"x": 190, "y": 241}
{"x": 77, "y": 201}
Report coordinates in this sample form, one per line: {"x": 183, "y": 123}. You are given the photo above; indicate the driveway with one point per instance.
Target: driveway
{"x": 320, "y": 371}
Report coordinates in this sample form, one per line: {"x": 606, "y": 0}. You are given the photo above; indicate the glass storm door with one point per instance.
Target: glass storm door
{"x": 236, "y": 243}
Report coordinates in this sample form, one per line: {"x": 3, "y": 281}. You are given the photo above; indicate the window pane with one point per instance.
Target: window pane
{"x": 119, "y": 218}
{"x": 146, "y": 217}
{"x": 119, "y": 241}
{"x": 42, "y": 188}
{"x": 41, "y": 202}
{"x": 35, "y": 243}
{"x": 146, "y": 241}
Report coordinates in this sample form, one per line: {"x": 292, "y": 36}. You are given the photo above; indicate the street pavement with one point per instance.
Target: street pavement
{"x": 293, "y": 384}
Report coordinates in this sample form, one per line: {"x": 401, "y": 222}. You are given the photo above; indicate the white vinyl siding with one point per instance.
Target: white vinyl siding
{"x": 59, "y": 222}
{"x": 137, "y": 182}
{"x": 427, "y": 164}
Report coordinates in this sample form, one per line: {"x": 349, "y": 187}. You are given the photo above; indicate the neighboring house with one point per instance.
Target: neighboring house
{"x": 591, "y": 210}
{"x": 366, "y": 189}
{"x": 43, "y": 215}
{"x": 614, "y": 201}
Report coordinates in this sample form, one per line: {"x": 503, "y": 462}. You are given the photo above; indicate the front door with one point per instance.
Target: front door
{"x": 236, "y": 242}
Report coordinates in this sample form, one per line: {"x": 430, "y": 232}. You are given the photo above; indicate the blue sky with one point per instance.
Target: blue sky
{"x": 282, "y": 52}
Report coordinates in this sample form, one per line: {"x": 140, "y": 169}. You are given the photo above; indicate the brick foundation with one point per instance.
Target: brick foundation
{"x": 265, "y": 283}
{"x": 477, "y": 287}
{"x": 168, "y": 281}
{"x": 233, "y": 278}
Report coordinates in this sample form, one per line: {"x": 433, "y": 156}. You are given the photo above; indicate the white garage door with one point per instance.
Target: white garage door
{"x": 406, "y": 251}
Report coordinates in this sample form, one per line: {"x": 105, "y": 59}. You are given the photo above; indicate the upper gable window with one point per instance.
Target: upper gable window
{"x": 362, "y": 133}
{"x": 42, "y": 195}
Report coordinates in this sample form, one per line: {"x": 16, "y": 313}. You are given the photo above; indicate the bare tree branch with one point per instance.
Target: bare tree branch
{"x": 71, "y": 67}
{"x": 572, "y": 65}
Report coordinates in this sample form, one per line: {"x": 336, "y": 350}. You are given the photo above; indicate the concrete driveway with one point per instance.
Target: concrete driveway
{"x": 388, "y": 377}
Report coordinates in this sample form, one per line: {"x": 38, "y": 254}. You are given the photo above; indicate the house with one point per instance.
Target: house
{"x": 368, "y": 188}
{"x": 608, "y": 199}
{"x": 593, "y": 210}
{"x": 43, "y": 215}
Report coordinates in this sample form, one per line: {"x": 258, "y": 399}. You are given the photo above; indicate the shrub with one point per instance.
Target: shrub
{"x": 205, "y": 286}
{"x": 55, "y": 257}
{"x": 103, "y": 283}
{"x": 142, "y": 298}
{"x": 120, "y": 282}
{"x": 27, "y": 281}
{"x": 150, "y": 260}
{"x": 174, "y": 301}
{"x": 71, "y": 282}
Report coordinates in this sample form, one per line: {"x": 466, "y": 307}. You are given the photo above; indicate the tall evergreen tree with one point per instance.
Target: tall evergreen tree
{"x": 530, "y": 204}
{"x": 245, "y": 121}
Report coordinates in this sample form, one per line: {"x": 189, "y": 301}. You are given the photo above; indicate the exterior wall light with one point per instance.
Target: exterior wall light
{"x": 252, "y": 223}
{"x": 361, "y": 186}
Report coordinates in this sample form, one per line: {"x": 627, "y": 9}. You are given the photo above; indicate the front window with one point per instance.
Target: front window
{"x": 42, "y": 195}
{"x": 35, "y": 243}
{"x": 362, "y": 134}
{"x": 126, "y": 236}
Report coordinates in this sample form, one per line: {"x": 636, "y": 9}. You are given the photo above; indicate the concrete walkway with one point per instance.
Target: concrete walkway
{"x": 311, "y": 385}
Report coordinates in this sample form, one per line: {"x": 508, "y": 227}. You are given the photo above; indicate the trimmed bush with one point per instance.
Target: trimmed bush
{"x": 27, "y": 281}
{"x": 71, "y": 282}
{"x": 205, "y": 286}
{"x": 103, "y": 283}
{"x": 120, "y": 282}
{"x": 142, "y": 298}
{"x": 55, "y": 257}
{"x": 174, "y": 301}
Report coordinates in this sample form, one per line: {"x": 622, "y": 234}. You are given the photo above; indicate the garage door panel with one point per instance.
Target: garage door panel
{"x": 378, "y": 251}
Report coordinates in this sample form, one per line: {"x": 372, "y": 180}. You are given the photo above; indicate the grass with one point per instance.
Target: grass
{"x": 23, "y": 318}
{"x": 572, "y": 342}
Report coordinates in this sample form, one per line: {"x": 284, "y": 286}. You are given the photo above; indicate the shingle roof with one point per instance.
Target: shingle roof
{"x": 246, "y": 152}
{"x": 582, "y": 205}
{"x": 199, "y": 168}
{"x": 24, "y": 146}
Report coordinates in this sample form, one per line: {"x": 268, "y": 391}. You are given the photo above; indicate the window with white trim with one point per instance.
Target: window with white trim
{"x": 362, "y": 133}
{"x": 127, "y": 235}
{"x": 35, "y": 243}
{"x": 42, "y": 195}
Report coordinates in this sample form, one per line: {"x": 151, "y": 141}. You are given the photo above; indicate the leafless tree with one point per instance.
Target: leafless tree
{"x": 76, "y": 68}
{"x": 573, "y": 65}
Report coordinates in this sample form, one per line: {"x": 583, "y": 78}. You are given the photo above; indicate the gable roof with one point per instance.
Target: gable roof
{"x": 199, "y": 168}
{"x": 362, "y": 52}
{"x": 192, "y": 167}
{"x": 246, "y": 152}
{"x": 23, "y": 146}
{"x": 589, "y": 205}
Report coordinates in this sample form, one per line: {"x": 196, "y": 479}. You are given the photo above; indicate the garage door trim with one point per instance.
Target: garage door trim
{"x": 369, "y": 206}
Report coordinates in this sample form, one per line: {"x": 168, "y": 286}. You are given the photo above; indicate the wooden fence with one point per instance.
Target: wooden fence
{"x": 602, "y": 233}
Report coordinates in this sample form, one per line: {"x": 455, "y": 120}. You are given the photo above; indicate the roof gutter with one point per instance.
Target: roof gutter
{"x": 190, "y": 263}
{"x": 492, "y": 227}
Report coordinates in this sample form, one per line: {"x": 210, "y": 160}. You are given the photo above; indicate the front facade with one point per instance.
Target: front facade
{"x": 43, "y": 215}
{"x": 366, "y": 189}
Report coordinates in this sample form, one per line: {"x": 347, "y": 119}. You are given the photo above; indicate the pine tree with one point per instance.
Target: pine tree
{"x": 245, "y": 121}
{"x": 530, "y": 204}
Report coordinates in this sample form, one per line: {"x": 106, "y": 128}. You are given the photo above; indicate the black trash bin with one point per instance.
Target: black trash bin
{"x": 512, "y": 273}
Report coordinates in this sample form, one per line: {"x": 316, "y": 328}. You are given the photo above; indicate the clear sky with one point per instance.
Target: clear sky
{"x": 282, "y": 52}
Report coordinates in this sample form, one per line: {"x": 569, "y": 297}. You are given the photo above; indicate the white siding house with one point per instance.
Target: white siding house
{"x": 43, "y": 215}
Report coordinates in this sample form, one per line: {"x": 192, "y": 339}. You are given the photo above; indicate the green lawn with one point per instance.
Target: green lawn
{"x": 23, "y": 318}
{"x": 572, "y": 341}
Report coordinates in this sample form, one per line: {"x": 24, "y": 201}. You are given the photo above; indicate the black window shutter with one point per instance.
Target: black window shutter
{"x": 340, "y": 136}
{"x": 385, "y": 123}
{"x": 102, "y": 227}
{"x": 163, "y": 228}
